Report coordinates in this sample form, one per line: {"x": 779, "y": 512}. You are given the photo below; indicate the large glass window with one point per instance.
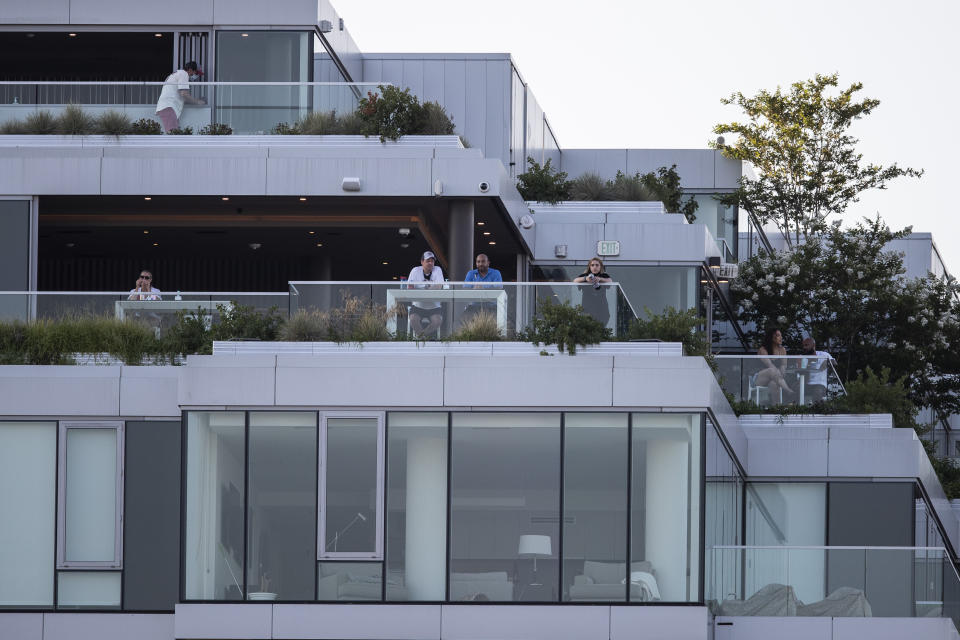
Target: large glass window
{"x": 722, "y": 222}
{"x": 665, "y": 506}
{"x": 351, "y": 477}
{"x": 28, "y": 471}
{"x": 723, "y": 509}
{"x": 595, "y": 464}
{"x": 214, "y": 540}
{"x": 505, "y": 504}
{"x": 416, "y": 506}
{"x": 282, "y": 502}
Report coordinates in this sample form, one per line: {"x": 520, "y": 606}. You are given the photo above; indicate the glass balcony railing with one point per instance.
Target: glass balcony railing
{"x": 767, "y": 382}
{"x": 832, "y": 581}
{"x": 511, "y": 306}
{"x": 247, "y": 107}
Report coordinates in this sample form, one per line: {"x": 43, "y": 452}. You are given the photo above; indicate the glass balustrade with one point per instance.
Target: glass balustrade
{"x": 782, "y": 380}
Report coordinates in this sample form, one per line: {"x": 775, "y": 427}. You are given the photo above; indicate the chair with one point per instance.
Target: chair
{"x": 752, "y": 388}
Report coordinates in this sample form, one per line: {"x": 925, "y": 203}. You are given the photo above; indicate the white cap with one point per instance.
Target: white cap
{"x": 428, "y": 255}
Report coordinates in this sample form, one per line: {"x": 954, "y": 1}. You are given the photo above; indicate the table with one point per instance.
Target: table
{"x": 409, "y": 295}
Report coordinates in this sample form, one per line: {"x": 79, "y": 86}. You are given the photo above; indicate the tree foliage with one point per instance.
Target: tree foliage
{"x": 850, "y": 294}
{"x": 807, "y": 164}
{"x": 673, "y": 326}
{"x": 543, "y": 183}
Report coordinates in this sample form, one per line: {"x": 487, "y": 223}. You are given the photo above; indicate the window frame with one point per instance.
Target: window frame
{"x": 354, "y": 556}
{"x": 89, "y": 565}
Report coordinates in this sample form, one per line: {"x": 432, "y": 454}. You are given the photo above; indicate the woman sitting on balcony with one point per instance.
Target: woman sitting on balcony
{"x": 771, "y": 376}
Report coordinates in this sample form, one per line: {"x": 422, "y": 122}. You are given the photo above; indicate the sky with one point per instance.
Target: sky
{"x": 628, "y": 74}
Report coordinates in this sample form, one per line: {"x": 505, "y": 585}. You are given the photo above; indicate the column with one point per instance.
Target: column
{"x": 460, "y": 248}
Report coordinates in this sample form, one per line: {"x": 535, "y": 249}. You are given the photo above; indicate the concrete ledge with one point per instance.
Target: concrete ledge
{"x": 107, "y": 626}
{"x": 224, "y": 621}
{"x": 21, "y": 626}
{"x": 355, "y": 622}
{"x": 662, "y": 623}
{"x": 28, "y": 390}
{"x": 528, "y": 623}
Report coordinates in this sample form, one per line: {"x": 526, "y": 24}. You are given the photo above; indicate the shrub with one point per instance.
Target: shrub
{"x": 358, "y": 320}
{"x": 112, "y": 123}
{"x": 631, "y": 188}
{"x": 74, "y": 121}
{"x": 146, "y": 127}
{"x": 347, "y": 124}
{"x": 316, "y": 123}
{"x": 189, "y": 334}
{"x": 391, "y": 113}
{"x": 283, "y": 129}
{"x": 241, "y": 322}
{"x": 181, "y": 131}
{"x": 13, "y": 127}
{"x": 216, "y": 129}
{"x": 479, "y": 327}
{"x": 871, "y": 393}
{"x": 306, "y": 326}
{"x": 589, "y": 186}
{"x": 40, "y": 123}
{"x": 543, "y": 183}
{"x": 45, "y": 342}
{"x": 673, "y": 326}
{"x": 436, "y": 120}
{"x": 567, "y": 327}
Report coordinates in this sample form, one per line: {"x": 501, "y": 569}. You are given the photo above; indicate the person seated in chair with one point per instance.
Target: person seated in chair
{"x": 483, "y": 273}
{"x": 817, "y": 366}
{"x": 419, "y": 312}
{"x": 771, "y": 376}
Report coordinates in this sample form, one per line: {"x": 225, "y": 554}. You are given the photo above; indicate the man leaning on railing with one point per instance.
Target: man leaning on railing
{"x": 176, "y": 91}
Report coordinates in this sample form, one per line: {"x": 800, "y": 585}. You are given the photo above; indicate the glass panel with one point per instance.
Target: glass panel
{"x": 721, "y": 221}
{"x": 416, "y": 506}
{"x": 595, "y": 507}
{"x": 282, "y": 502}
{"x": 664, "y": 514}
{"x": 214, "y": 511}
{"x": 781, "y": 514}
{"x": 724, "y": 514}
{"x": 28, "y": 471}
{"x": 354, "y": 581}
{"x": 88, "y": 589}
{"x": 505, "y": 472}
{"x": 91, "y": 496}
{"x": 351, "y": 486}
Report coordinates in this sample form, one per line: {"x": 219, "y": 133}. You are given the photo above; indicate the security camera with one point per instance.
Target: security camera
{"x": 404, "y": 231}
{"x": 255, "y": 245}
{"x": 484, "y": 187}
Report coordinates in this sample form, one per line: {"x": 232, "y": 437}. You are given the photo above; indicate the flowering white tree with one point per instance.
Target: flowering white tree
{"x": 842, "y": 288}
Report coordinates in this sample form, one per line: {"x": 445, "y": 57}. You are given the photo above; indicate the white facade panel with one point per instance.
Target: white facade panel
{"x": 59, "y": 391}
{"x": 856, "y": 452}
{"x": 700, "y": 169}
{"x": 21, "y": 626}
{"x": 236, "y": 381}
{"x": 195, "y": 171}
{"x": 670, "y": 383}
{"x": 787, "y": 452}
{"x": 107, "y": 626}
{"x": 764, "y": 628}
{"x": 149, "y": 391}
{"x": 228, "y": 621}
{"x": 358, "y": 380}
{"x": 36, "y": 12}
{"x": 526, "y": 623}
{"x": 353, "y": 622}
{"x": 185, "y": 12}
{"x": 251, "y": 12}
{"x": 538, "y": 381}
{"x": 581, "y": 239}
{"x": 662, "y": 623}
{"x": 695, "y": 166}
{"x": 893, "y": 628}
{"x": 50, "y": 170}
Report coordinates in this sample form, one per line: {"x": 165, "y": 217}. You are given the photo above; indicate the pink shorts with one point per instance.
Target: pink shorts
{"x": 168, "y": 117}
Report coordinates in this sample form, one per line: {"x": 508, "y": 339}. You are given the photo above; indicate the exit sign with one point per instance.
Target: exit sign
{"x": 608, "y": 248}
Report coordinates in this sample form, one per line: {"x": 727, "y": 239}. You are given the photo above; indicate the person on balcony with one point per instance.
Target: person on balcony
{"x": 771, "y": 376}
{"x": 426, "y": 311}
{"x": 483, "y": 273}
{"x": 595, "y": 296}
{"x": 176, "y": 91}
{"x": 817, "y": 366}
{"x": 145, "y": 289}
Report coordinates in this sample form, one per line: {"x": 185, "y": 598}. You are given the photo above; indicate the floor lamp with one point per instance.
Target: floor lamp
{"x": 533, "y": 546}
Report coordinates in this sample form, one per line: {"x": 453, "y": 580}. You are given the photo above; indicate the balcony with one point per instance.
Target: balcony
{"x": 837, "y": 581}
{"x": 247, "y": 107}
{"x": 808, "y": 380}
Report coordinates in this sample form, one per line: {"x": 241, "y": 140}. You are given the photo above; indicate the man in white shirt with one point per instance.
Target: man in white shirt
{"x": 145, "y": 289}
{"x": 817, "y": 365}
{"x": 176, "y": 91}
{"x": 426, "y": 272}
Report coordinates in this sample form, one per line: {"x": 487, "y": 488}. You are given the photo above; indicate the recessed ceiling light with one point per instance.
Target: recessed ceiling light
{"x": 491, "y": 242}
{"x": 303, "y": 199}
{"x": 486, "y": 233}
{"x": 147, "y": 198}
{"x": 384, "y": 262}
{"x": 72, "y": 35}
{"x": 480, "y": 224}
{"x": 319, "y": 244}
{"x": 156, "y": 244}
{"x": 244, "y": 35}
{"x": 145, "y": 231}
{"x": 158, "y": 35}
{"x": 311, "y": 232}
{"x": 225, "y": 198}
{"x": 395, "y": 278}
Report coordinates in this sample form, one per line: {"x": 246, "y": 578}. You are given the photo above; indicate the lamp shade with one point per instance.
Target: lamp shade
{"x": 536, "y": 546}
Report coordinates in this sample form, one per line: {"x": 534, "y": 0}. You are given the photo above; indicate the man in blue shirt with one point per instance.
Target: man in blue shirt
{"x": 483, "y": 273}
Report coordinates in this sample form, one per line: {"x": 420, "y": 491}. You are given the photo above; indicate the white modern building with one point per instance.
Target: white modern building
{"x": 439, "y": 490}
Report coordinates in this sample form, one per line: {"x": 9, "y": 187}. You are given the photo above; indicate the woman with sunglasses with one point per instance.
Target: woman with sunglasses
{"x": 145, "y": 289}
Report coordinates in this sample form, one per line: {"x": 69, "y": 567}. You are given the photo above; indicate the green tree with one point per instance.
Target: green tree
{"x": 807, "y": 164}
{"x": 543, "y": 183}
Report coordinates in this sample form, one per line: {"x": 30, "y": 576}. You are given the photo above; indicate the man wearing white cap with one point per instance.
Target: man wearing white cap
{"x": 428, "y": 271}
